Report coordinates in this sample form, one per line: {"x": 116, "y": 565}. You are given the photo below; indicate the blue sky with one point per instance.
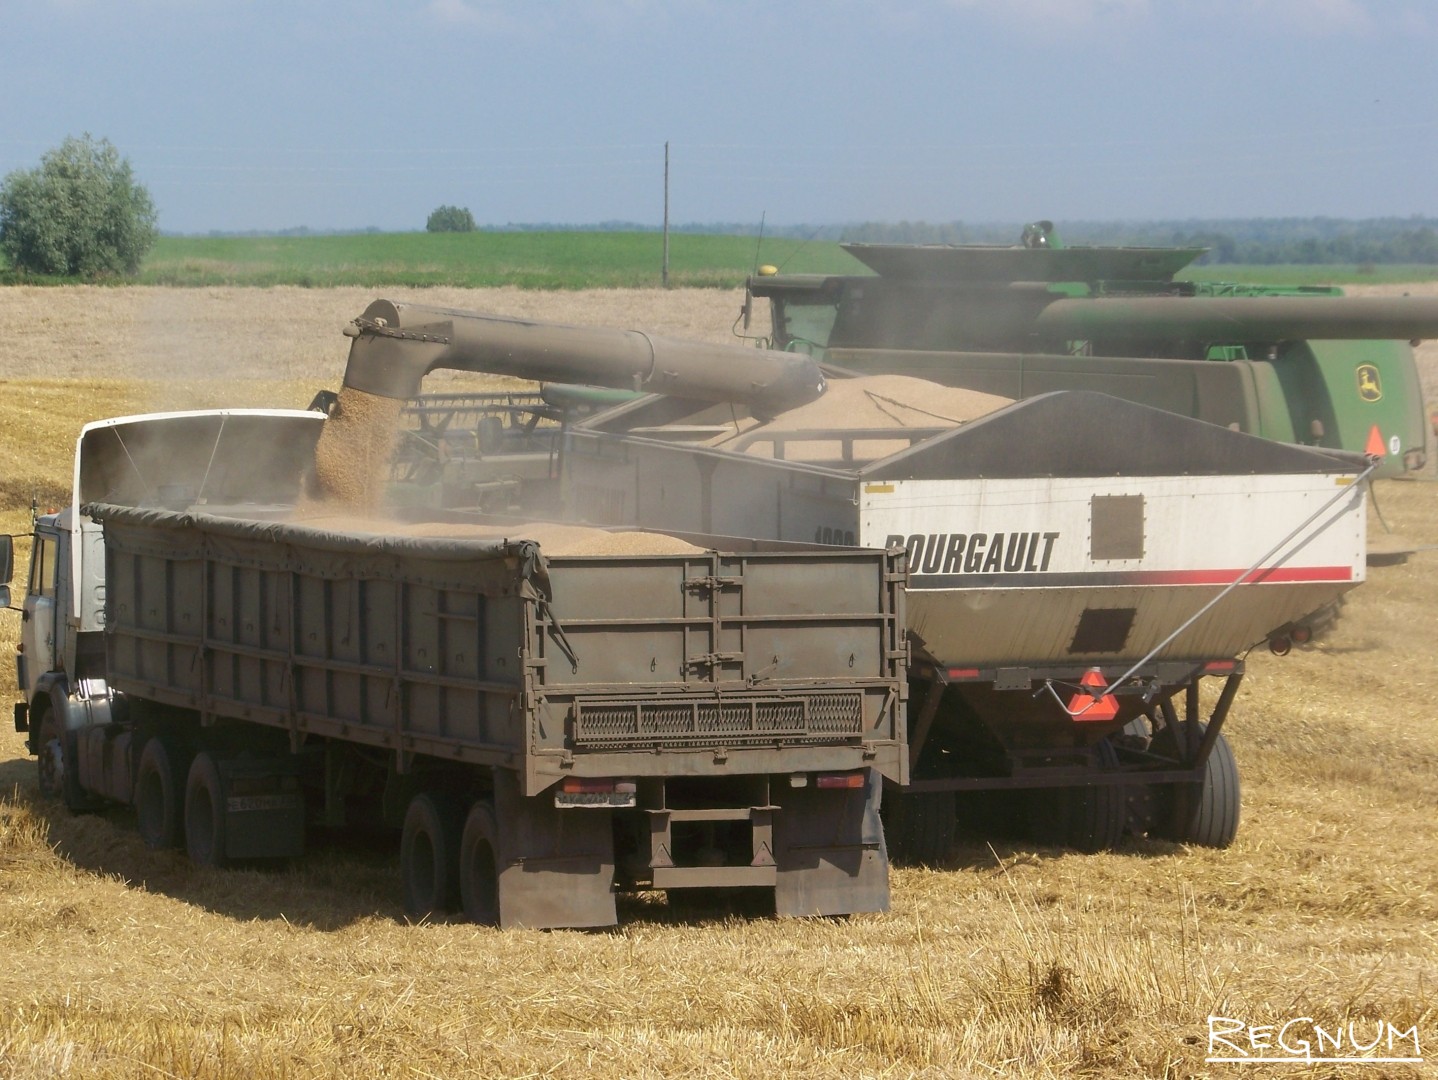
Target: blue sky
{"x": 270, "y": 114}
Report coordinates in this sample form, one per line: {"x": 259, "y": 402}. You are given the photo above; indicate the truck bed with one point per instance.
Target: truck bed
{"x": 488, "y": 652}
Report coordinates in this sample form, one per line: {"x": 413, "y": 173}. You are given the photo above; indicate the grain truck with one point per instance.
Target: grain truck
{"x": 542, "y": 729}
{"x": 1299, "y": 364}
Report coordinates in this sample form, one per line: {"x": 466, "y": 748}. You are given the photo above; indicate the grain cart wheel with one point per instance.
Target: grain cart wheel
{"x": 1089, "y": 819}
{"x": 918, "y": 826}
{"x": 159, "y": 795}
{"x": 205, "y": 813}
{"x": 50, "y": 758}
{"x": 429, "y": 857}
{"x": 1206, "y": 815}
{"x": 479, "y": 866}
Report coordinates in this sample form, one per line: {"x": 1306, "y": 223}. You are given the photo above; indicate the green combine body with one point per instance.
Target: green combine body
{"x": 1299, "y": 364}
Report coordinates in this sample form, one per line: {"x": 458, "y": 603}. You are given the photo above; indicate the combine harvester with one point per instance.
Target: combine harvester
{"x": 1301, "y": 364}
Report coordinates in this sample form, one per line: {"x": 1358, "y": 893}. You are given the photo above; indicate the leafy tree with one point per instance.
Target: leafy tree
{"x": 450, "y": 219}
{"x": 80, "y": 214}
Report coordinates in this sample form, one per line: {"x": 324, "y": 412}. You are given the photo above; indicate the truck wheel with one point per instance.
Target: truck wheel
{"x": 919, "y": 826}
{"x": 77, "y": 799}
{"x": 479, "y": 866}
{"x": 1089, "y": 819}
{"x": 159, "y": 802}
{"x": 429, "y": 856}
{"x": 50, "y": 760}
{"x": 1206, "y": 815}
{"x": 205, "y": 813}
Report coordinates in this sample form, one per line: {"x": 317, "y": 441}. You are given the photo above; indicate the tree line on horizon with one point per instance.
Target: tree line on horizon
{"x": 81, "y": 213}
{"x": 1243, "y": 241}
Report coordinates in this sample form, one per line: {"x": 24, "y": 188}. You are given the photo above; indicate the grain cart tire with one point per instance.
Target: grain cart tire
{"x": 49, "y": 750}
{"x": 1206, "y": 815}
{"x": 205, "y": 813}
{"x": 159, "y": 795}
{"x": 429, "y": 857}
{"x": 919, "y": 826}
{"x": 1090, "y": 818}
{"x": 479, "y": 866}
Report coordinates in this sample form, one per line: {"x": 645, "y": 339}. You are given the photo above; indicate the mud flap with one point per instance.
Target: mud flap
{"x": 556, "y": 867}
{"x": 263, "y": 807}
{"x": 829, "y": 847}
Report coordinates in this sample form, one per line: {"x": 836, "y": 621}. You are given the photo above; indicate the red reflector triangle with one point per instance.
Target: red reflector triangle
{"x": 1085, "y": 708}
{"x": 1375, "y": 447}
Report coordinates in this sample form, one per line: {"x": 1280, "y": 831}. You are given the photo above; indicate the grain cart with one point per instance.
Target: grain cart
{"x": 1296, "y": 364}
{"x": 1080, "y": 563}
{"x": 542, "y": 728}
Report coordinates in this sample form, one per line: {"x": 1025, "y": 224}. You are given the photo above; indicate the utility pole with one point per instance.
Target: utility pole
{"x": 664, "y": 273}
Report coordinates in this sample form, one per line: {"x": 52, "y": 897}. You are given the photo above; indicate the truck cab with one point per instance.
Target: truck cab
{"x": 170, "y": 460}
{"x": 60, "y": 660}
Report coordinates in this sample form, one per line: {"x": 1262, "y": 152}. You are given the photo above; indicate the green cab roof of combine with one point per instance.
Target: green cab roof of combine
{"x": 994, "y": 263}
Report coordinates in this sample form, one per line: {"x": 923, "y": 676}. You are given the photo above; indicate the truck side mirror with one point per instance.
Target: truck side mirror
{"x": 7, "y": 568}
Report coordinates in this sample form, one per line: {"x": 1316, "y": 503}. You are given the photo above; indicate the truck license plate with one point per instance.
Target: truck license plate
{"x": 566, "y": 800}
{"x": 288, "y": 801}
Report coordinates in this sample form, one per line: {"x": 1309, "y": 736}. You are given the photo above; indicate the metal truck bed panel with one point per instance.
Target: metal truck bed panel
{"x": 749, "y": 618}
{"x": 487, "y": 653}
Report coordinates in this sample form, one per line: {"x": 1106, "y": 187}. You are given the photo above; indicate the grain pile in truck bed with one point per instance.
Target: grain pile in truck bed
{"x": 872, "y": 403}
{"x": 553, "y": 539}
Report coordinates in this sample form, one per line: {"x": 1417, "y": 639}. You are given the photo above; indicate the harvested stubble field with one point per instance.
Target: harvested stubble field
{"x": 1010, "y": 960}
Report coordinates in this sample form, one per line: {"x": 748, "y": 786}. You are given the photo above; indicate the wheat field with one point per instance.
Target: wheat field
{"x": 1009, "y": 960}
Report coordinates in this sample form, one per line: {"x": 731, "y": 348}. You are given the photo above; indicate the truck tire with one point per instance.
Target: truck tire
{"x": 1090, "y": 818}
{"x": 918, "y": 827}
{"x": 159, "y": 795}
{"x": 429, "y": 857}
{"x": 205, "y": 813}
{"x": 479, "y": 866}
{"x": 77, "y": 799}
{"x": 49, "y": 759}
{"x": 1207, "y": 814}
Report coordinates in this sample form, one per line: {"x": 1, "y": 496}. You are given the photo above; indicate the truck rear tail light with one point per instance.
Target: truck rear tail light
{"x": 839, "y": 780}
{"x": 592, "y": 785}
{"x": 1215, "y": 667}
{"x": 963, "y": 673}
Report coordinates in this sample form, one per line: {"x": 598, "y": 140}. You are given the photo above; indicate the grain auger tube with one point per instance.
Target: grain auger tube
{"x": 395, "y": 345}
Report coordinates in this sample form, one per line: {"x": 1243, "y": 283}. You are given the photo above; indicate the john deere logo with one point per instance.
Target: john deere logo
{"x": 1369, "y": 388}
